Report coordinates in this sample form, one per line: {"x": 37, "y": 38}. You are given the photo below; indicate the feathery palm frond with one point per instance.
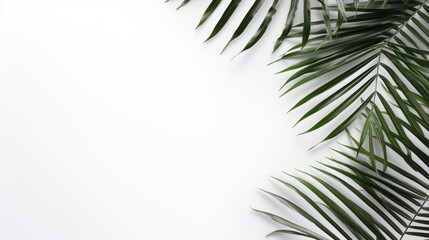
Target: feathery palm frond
{"x": 371, "y": 43}
{"x": 368, "y": 61}
{"x": 363, "y": 204}
{"x": 375, "y": 45}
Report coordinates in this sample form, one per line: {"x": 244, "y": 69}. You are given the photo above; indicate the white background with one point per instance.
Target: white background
{"x": 117, "y": 122}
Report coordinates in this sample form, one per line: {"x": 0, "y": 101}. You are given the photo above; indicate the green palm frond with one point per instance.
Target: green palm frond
{"x": 363, "y": 44}
{"x": 362, "y": 204}
{"x": 375, "y": 45}
{"x": 367, "y": 62}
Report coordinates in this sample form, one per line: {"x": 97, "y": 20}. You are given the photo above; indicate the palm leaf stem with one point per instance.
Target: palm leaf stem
{"x": 414, "y": 217}
{"x": 379, "y": 59}
{"x": 391, "y": 44}
{"x": 407, "y": 21}
{"x": 387, "y": 41}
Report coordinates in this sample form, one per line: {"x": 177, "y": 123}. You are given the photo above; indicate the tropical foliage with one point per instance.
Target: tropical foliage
{"x": 369, "y": 64}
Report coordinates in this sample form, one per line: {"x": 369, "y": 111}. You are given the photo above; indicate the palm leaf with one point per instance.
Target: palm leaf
{"x": 363, "y": 204}
{"x": 368, "y": 35}
{"x": 372, "y": 67}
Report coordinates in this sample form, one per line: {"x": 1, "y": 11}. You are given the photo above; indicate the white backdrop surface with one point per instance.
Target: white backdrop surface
{"x": 117, "y": 122}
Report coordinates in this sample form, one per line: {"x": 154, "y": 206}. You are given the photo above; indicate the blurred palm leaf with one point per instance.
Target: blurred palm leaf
{"x": 367, "y": 61}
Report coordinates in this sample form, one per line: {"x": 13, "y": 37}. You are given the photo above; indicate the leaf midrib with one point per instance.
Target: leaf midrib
{"x": 386, "y": 42}
{"x": 414, "y": 217}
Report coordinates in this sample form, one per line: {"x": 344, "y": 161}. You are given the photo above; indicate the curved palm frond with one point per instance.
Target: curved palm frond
{"x": 376, "y": 45}
{"x": 368, "y": 61}
{"x": 366, "y": 45}
{"x": 362, "y": 204}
